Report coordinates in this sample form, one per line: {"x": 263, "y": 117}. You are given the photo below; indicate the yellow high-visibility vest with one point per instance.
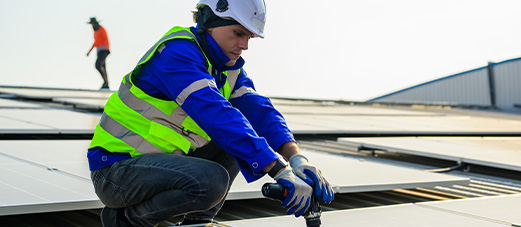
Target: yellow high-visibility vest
{"x": 136, "y": 123}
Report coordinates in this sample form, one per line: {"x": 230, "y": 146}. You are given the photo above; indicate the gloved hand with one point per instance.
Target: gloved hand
{"x": 312, "y": 175}
{"x": 299, "y": 193}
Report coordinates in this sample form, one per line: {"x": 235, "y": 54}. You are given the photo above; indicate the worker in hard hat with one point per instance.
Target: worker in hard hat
{"x": 184, "y": 122}
{"x": 101, "y": 43}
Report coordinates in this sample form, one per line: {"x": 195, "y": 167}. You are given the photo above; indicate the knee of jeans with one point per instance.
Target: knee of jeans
{"x": 214, "y": 189}
{"x": 109, "y": 194}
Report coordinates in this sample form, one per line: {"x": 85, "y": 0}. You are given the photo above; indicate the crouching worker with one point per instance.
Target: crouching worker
{"x": 187, "y": 119}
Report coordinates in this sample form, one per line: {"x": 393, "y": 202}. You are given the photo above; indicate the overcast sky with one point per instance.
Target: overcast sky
{"x": 328, "y": 49}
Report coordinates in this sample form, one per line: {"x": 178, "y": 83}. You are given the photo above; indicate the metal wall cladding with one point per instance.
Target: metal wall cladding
{"x": 467, "y": 88}
{"x": 507, "y": 79}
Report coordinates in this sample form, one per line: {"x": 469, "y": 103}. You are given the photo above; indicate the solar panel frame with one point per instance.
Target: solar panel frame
{"x": 459, "y": 149}
{"x": 403, "y": 215}
{"x": 10, "y": 103}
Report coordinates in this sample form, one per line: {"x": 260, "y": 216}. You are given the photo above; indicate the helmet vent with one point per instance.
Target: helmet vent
{"x": 222, "y": 6}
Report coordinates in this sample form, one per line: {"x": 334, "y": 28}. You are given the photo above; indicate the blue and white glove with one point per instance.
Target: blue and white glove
{"x": 299, "y": 193}
{"x": 312, "y": 175}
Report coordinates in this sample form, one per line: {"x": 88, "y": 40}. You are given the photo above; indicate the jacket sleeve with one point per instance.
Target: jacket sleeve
{"x": 265, "y": 119}
{"x": 181, "y": 75}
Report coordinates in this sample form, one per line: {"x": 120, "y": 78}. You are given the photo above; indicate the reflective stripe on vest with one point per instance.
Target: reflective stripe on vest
{"x": 134, "y": 140}
{"x": 177, "y": 34}
{"x": 173, "y": 121}
{"x": 136, "y": 123}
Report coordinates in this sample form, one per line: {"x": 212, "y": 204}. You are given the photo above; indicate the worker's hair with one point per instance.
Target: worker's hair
{"x": 194, "y": 15}
{"x": 206, "y": 18}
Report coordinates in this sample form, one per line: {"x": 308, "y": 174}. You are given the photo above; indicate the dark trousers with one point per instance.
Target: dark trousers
{"x": 156, "y": 187}
{"x": 101, "y": 67}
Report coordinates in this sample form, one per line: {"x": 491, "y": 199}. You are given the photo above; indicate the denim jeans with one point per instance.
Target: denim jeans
{"x": 156, "y": 187}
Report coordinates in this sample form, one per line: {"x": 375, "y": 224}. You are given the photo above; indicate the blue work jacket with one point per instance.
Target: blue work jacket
{"x": 248, "y": 127}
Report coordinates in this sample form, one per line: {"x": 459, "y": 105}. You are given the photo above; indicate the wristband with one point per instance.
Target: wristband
{"x": 276, "y": 168}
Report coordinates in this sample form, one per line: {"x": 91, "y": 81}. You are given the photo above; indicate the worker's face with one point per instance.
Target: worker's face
{"x": 232, "y": 39}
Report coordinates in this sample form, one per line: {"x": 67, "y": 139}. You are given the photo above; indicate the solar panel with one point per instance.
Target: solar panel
{"x": 45, "y": 176}
{"x": 406, "y": 215}
{"x": 349, "y": 175}
{"x": 28, "y": 188}
{"x": 67, "y": 161}
{"x": 501, "y": 208}
{"x": 49, "y": 93}
{"x": 67, "y": 156}
{"x": 83, "y": 103}
{"x": 83, "y": 99}
{"x": 46, "y": 121}
{"x": 9, "y": 126}
{"x": 306, "y": 117}
{"x": 499, "y": 152}
{"x": 7, "y": 103}
{"x": 330, "y": 108}
{"x": 404, "y": 125}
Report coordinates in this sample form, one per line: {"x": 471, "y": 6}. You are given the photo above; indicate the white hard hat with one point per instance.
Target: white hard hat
{"x": 249, "y": 13}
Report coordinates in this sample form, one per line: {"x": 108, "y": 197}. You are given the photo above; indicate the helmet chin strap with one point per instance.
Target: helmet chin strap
{"x": 204, "y": 45}
{"x": 207, "y": 19}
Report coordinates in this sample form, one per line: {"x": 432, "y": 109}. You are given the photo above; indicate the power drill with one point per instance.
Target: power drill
{"x": 278, "y": 192}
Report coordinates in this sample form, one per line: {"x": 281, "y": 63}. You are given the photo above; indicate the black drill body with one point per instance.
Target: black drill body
{"x": 277, "y": 191}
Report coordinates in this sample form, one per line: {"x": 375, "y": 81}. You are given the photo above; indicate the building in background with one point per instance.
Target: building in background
{"x": 497, "y": 86}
